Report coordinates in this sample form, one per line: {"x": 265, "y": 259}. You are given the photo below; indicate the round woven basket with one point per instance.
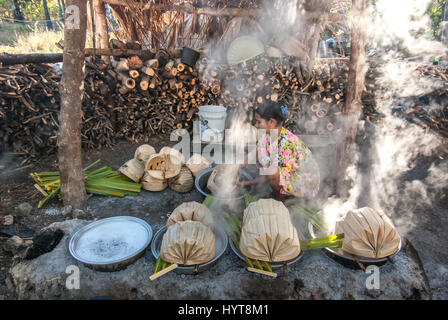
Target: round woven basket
{"x": 132, "y": 169}
{"x": 174, "y": 153}
{"x": 143, "y": 153}
{"x": 152, "y": 184}
{"x": 197, "y": 163}
{"x": 163, "y": 166}
{"x": 183, "y": 182}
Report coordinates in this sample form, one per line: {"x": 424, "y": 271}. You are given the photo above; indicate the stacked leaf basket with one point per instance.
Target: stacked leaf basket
{"x": 156, "y": 171}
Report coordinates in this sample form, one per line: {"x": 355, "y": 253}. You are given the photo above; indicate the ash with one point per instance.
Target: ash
{"x": 111, "y": 241}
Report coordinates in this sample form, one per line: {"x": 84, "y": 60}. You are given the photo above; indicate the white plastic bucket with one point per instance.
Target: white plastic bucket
{"x": 212, "y": 123}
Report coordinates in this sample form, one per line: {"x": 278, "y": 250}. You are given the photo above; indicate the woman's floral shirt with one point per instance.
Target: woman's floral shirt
{"x": 298, "y": 171}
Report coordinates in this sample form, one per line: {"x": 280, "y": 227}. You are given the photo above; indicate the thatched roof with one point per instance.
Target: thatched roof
{"x": 175, "y": 23}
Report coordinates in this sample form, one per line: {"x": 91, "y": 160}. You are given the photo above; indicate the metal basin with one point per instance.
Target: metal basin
{"x": 202, "y": 178}
{"x": 347, "y": 259}
{"x": 221, "y": 241}
{"x": 111, "y": 244}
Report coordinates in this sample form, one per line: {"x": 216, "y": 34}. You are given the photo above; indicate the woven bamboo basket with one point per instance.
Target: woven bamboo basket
{"x": 152, "y": 184}
{"x": 188, "y": 243}
{"x": 368, "y": 233}
{"x": 163, "y": 166}
{"x": 223, "y": 179}
{"x": 174, "y": 153}
{"x": 194, "y": 211}
{"x": 132, "y": 169}
{"x": 269, "y": 238}
{"x": 143, "y": 153}
{"x": 267, "y": 207}
{"x": 197, "y": 163}
{"x": 183, "y": 182}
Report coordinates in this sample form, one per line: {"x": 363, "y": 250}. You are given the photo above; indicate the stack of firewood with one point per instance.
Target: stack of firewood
{"x": 29, "y": 99}
{"x": 314, "y": 101}
{"x": 138, "y": 96}
{"x": 154, "y": 96}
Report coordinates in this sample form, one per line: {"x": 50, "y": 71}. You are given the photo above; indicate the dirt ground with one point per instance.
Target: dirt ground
{"x": 16, "y": 186}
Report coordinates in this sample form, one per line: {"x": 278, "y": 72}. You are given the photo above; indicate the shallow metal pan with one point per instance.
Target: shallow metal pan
{"x": 221, "y": 241}
{"x": 114, "y": 251}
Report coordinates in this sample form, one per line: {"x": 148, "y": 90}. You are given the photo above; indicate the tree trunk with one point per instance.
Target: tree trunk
{"x": 47, "y": 15}
{"x": 101, "y": 27}
{"x": 444, "y": 25}
{"x": 69, "y": 142}
{"x": 316, "y": 12}
{"x": 355, "y": 86}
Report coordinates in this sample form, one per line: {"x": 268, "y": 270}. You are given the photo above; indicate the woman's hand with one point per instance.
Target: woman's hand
{"x": 241, "y": 184}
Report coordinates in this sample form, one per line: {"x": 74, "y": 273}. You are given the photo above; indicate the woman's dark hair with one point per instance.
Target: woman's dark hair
{"x": 271, "y": 110}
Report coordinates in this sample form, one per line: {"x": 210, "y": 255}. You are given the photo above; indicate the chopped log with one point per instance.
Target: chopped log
{"x": 134, "y": 73}
{"x": 133, "y": 45}
{"x": 148, "y": 70}
{"x": 135, "y": 62}
{"x": 122, "y": 65}
{"x": 117, "y": 44}
{"x": 153, "y": 83}
{"x": 144, "y": 83}
{"x": 152, "y": 63}
{"x": 11, "y": 59}
{"x": 169, "y": 65}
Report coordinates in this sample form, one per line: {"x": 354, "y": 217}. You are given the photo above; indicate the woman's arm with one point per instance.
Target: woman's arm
{"x": 257, "y": 180}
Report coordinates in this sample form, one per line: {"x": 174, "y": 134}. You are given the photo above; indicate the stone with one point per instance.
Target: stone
{"x": 66, "y": 210}
{"x": 14, "y": 245}
{"x": 24, "y": 209}
{"x": 8, "y": 220}
{"x": 314, "y": 276}
{"x": 81, "y": 214}
{"x": 52, "y": 212}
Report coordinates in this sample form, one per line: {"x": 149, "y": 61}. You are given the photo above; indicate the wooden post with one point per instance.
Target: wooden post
{"x": 101, "y": 24}
{"x": 72, "y": 82}
{"x": 316, "y": 15}
{"x": 355, "y": 86}
{"x": 92, "y": 17}
{"x": 444, "y": 25}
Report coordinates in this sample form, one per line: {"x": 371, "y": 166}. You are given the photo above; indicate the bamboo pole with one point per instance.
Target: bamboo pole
{"x": 191, "y": 9}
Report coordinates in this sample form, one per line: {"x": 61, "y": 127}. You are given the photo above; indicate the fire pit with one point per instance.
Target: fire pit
{"x": 201, "y": 185}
